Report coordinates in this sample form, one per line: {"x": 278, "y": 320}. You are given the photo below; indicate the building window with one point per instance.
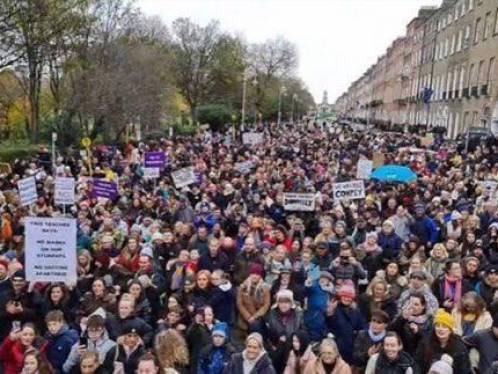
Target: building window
{"x": 455, "y": 81}
{"x": 456, "y": 11}
{"x": 446, "y": 47}
{"x": 471, "y": 75}
{"x": 496, "y": 21}
{"x": 474, "y": 118}
{"x": 490, "y": 81}
{"x": 456, "y": 129}
{"x": 464, "y": 9}
{"x": 480, "y": 73}
{"x": 487, "y": 25}
{"x": 459, "y": 41}
{"x": 477, "y": 31}
{"x": 471, "y": 5}
{"x": 462, "y": 79}
{"x": 466, "y": 117}
{"x": 453, "y": 42}
{"x": 466, "y": 39}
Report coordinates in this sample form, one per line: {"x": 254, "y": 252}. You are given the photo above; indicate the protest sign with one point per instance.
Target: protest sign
{"x": 151, "y": 173}
{"x": 50, "y": 249}
{"x": 155, "y": 159}
{"x": 426, "y": 141}
{"x": 252, "y": 138}
{"x": 304, "y": 202}
{"x": 378, "y": 160}
{"x": 489, "y": 188}
{"x": 349, "y": 190}
{"x": 105, "y": 189}
{"x": 64, "y": 191}
{"x": 27, "y": 190}
{"x": 244, "y": 167}
{"x": 364, "y": 169}
{"x": 184, "y": 177}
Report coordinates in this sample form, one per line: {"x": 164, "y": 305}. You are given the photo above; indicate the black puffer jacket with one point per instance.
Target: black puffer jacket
{"x": 398, "y": 366}
{"x": 236, "y": 365}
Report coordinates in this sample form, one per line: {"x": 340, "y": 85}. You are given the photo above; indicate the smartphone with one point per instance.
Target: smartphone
{"x": 83, "y": 340}
{"x": 16, "y": 325}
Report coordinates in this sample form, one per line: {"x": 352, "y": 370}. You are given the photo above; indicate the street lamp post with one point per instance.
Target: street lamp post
{"x": 280, "y": 93}
{"x": 245, "y": 77}
{"x": 294, "y": 99}
{"x": 243, "y": 116}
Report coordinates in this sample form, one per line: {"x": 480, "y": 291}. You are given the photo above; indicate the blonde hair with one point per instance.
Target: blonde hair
{"x": 440, "y": 246}
{"x": 171, "y": 349}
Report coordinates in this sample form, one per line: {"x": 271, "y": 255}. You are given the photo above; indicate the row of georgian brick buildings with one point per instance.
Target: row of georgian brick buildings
{"x": 443, "y": 72}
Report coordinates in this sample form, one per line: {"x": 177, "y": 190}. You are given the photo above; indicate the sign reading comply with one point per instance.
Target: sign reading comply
{"x": 349, "y": 190}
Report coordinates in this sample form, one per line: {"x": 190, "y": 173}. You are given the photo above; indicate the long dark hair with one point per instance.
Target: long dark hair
{"x": 44, "y": 366}
{"x": 433, "y": 346}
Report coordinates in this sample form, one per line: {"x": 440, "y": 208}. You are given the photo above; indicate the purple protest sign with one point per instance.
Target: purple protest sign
{"x": 154, "y": 159}
{"x": 103, "y": 188}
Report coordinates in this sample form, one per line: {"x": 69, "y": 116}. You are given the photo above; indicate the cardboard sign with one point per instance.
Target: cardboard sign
{"x": 426, "y": 141}
{"x": 244, "y": 167}
{"x": 151, "y": 173}
{"x": 364, "y": 169}
{"x": 50, "y": 249}
{"x": 184, "y": 177}
{"x": 378, "y": 160}
{"x": 64, "y": 191}
{"x": 303, "y": 202}
{"x": 105, "y": 189}
{"x": 489, "y": 188}
{"x": 349, "y": 190}
{"x": 252, "y": 138}
{"x": 154, "y": 159}
{"x": 27, "y": 191}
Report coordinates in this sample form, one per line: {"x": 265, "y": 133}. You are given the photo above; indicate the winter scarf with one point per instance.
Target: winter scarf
{"x": 376, "y": 338}
{"x": 452, "y": 289}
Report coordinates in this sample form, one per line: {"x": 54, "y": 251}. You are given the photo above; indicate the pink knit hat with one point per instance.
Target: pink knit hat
{"x": 347, "y": 290}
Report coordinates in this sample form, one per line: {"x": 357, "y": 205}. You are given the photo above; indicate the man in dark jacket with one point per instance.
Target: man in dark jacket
{"x": 60, "y": 339}
{"x": 215, "y": 356}
{"x": 116, "y": 325}
{"x": 16, "y": 304}
{"x": 245, "y": 259}
{"x": 424, "y": 227}
{"x": 214, "y": 259}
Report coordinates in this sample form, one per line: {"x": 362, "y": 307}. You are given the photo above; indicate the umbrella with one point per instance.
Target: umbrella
{"x": 394, "y": 173}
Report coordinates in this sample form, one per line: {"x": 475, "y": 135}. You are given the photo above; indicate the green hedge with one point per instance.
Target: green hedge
{"x": 10, "y": 151}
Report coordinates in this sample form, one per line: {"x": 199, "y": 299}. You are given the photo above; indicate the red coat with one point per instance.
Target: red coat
{"x": 12, "y": 355}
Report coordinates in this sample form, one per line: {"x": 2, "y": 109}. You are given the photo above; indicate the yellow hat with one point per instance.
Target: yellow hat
{"x": 444, "y": 318}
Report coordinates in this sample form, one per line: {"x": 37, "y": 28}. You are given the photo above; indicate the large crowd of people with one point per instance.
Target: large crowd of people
{"x": 219, "y": 278}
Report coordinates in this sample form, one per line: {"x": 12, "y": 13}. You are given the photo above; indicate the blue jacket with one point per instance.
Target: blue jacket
{"x": 425, "y": 229}
{"x": 59, "y": 346}
{"x": 345, "y": 324}
{"x": 314, "y": 318}
{"x": 213, "y": 360}
{"x": 391, "y": 244}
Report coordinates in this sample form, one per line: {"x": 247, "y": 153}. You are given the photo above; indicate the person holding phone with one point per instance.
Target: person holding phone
{"x": 94, "y": 338}
{"x": 15, "y": 346}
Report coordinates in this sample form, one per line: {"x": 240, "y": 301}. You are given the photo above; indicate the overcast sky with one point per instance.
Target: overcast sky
{"x": 337, "y": 40}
